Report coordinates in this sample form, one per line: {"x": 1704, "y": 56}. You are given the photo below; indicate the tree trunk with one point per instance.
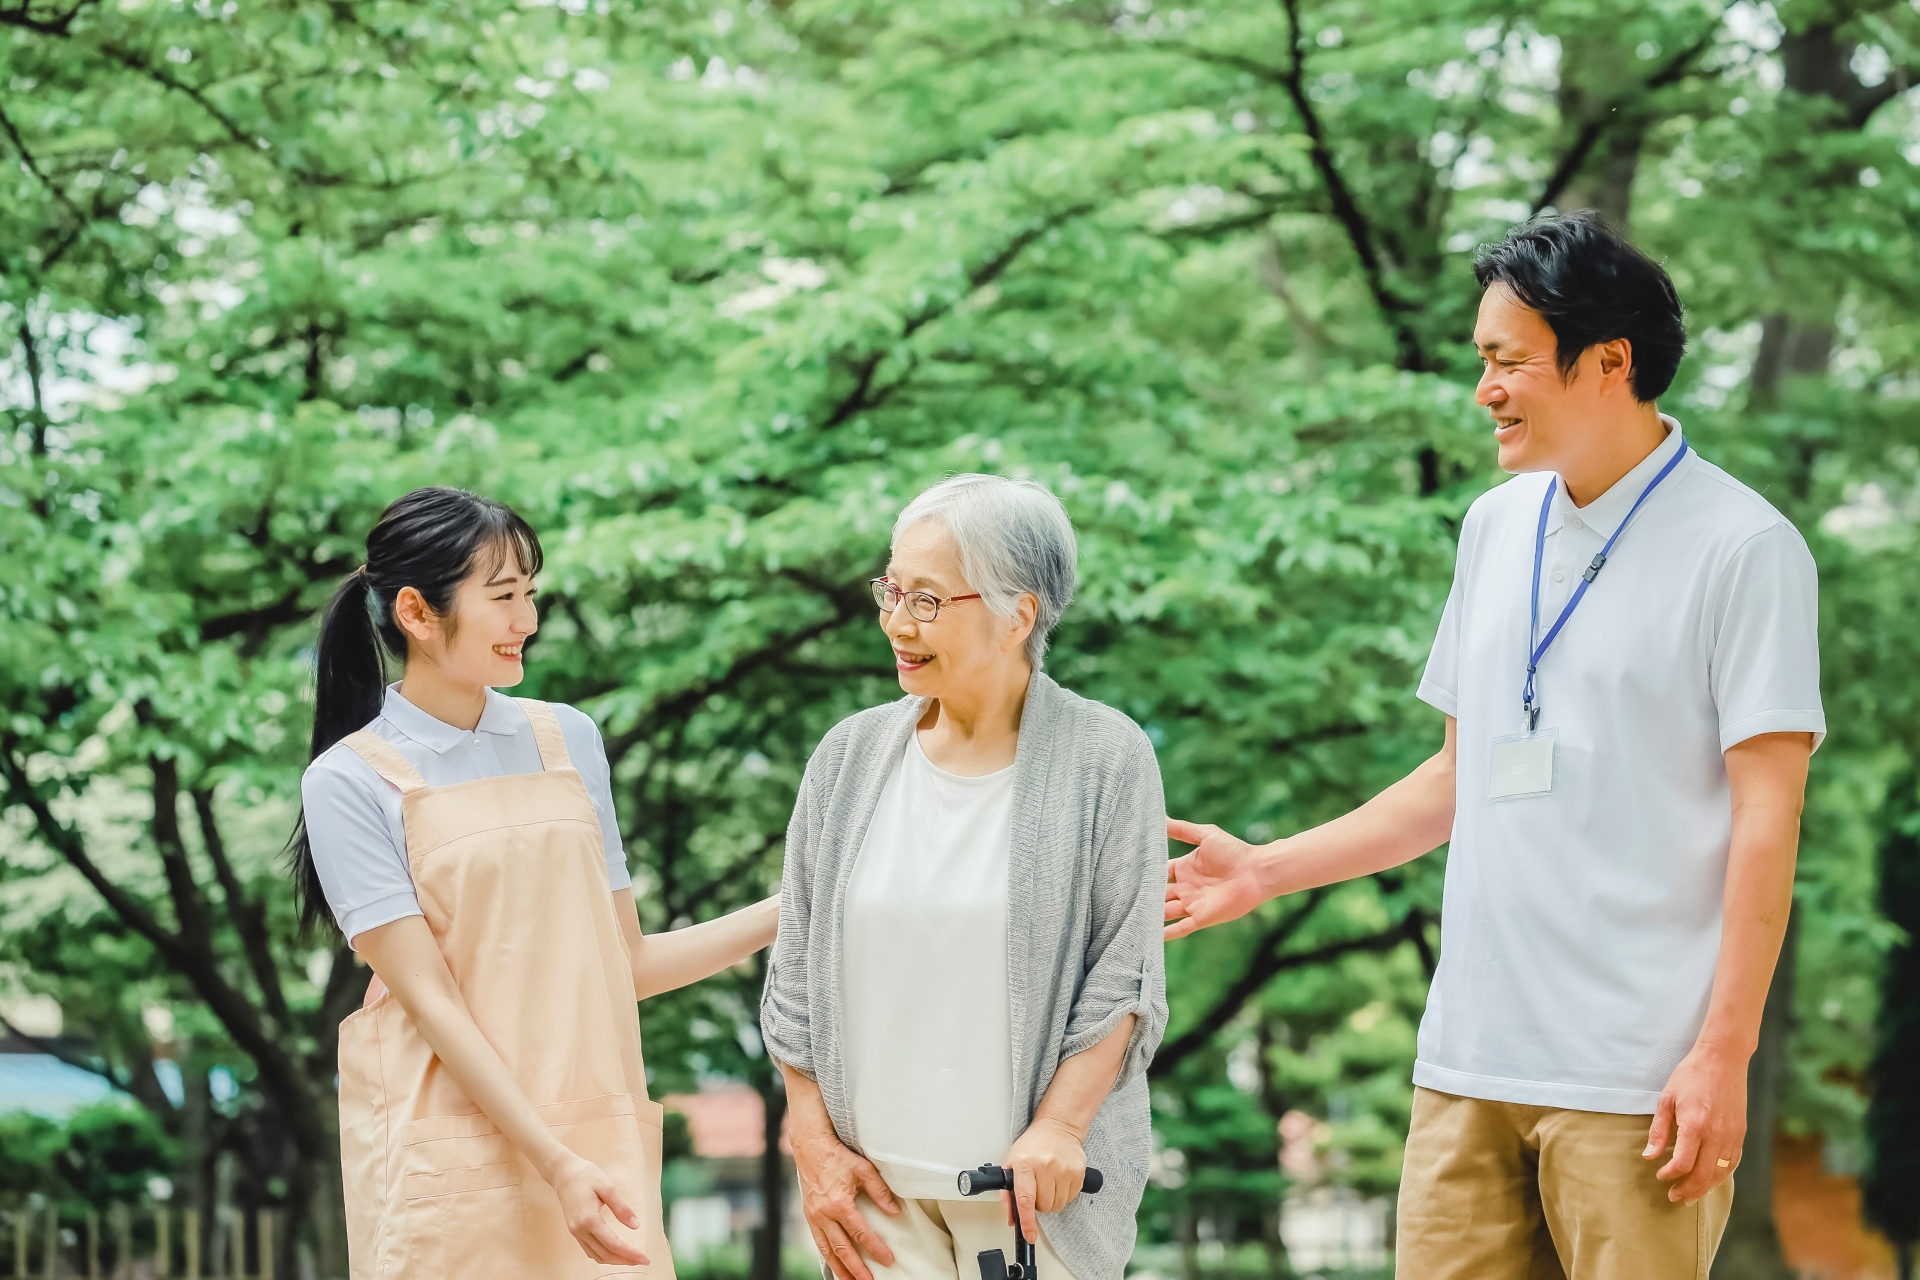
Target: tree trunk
{"x": 1751, "y": 1248}
{"x": 773, "y": 1182}
{"x": 1596, "y": 73}
{"x": 1274, "y": 1103}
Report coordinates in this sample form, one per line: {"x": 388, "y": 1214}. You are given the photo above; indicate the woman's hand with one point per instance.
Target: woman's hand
{"x": 1049, "y": 1167}
{"x": 587, "y": 1196}
{"x": 832, "y": 1178}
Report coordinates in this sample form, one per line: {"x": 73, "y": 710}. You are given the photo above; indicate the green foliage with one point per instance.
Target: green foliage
{"x": 709, "y": 292}
{"x": 101, "y": 1155}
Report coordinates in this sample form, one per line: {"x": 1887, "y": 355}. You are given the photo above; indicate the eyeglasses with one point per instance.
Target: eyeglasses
{"x": 920, "y": 604}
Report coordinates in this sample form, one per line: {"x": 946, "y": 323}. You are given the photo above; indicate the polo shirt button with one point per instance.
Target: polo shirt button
{"x": 1559, "y": 575}
{"x": 1574, "y": 521}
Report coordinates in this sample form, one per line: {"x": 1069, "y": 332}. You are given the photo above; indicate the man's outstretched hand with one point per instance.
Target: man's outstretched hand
{"x": 1219, "y": 881}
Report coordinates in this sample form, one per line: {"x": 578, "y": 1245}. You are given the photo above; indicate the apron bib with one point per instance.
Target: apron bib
{"x": 511, "y": 876}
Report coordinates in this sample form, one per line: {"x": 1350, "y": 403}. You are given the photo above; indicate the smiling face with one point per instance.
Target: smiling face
{"x": 1540, "y": 419}
{"x": 481, "y": 638}
{"x": 967, "y": 646}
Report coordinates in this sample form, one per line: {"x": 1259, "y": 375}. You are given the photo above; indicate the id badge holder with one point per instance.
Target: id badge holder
{"x": 1523, "y": 765}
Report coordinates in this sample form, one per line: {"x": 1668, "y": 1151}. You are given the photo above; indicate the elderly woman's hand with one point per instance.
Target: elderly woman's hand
{"x": 832, "y": 1179}
{"x": 1049, "y": 1167}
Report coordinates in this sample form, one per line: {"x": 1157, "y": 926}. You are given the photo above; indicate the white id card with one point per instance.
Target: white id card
{"x": 1522, "y": 765}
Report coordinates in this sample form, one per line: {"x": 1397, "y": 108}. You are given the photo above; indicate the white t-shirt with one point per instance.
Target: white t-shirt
{"x": 927, "y": 1029}
{"x": 353, "y": 814}
{"x": 1582, "y": 927}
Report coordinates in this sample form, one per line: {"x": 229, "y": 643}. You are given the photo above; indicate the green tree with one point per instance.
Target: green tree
{"x": 709, "y": 291}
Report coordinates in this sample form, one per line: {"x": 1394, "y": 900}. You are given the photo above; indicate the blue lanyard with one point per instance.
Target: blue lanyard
{"x": 1539, "y": 651}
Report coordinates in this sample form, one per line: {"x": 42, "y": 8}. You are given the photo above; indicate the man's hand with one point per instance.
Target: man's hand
{"x": 1703, "y": 1113}
{"x": 1219, "y": 881}
{"x": 832, "y": 1178}
{"x": 1049, "y": 1167}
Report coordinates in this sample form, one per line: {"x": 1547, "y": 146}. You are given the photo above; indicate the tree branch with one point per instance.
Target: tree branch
{"x": 863, "y": 397}
{"x": 182, "y": 952}
{"x": 1346, "y": 210}
{"x": 1239, "y": 991}
{"x": 21, "y": 15}
{"x": 1268, "y": 964}
{"x": 133, "y": 62}
{"x": 1597, "y": 126}
{"x": 249, "y": 916}
{"x": 54, "y": 1049}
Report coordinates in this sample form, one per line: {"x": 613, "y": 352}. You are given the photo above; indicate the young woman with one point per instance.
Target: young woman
{"x": 494, "y": 1119}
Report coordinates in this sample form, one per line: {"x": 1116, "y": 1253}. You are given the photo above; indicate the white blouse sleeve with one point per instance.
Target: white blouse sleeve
{"x": 361, "y": 861}
{"x": 589, "y": 754}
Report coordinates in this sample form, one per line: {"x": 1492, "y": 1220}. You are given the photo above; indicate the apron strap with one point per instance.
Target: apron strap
{"x": 546, "y": 735}
{"x": 386, "y": 760}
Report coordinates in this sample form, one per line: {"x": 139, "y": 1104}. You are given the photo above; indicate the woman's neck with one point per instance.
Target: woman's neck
{"x": 457, "y": 702}
{"x": 977, "y": 731}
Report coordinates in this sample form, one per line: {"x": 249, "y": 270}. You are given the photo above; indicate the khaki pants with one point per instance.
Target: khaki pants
{"x": 1501, "y": 1191}
{"x": 940, "y": 1239}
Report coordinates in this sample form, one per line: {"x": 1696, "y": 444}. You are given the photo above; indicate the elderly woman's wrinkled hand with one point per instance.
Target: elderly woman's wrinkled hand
{"x": 833, "y": 1177}
{"x": 1049, "y": 1165}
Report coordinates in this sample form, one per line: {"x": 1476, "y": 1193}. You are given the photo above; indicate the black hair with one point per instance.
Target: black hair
{"x": 431, "y": 540}
{"x": 1591, "y": 286}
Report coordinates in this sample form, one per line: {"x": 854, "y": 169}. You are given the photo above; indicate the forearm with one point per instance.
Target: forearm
{"x": 1759, "y": 897}
{"x": 1412, "y": 817}
{"x": 410, "y": 963}
{"x": 669, "y": 961}
{"x": 1081, "y": 1083}
{"x": 1767, "y": 777}
{"x": 807, "y": 1115}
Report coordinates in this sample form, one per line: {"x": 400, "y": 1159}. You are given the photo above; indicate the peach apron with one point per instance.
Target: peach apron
{"x": 511, "y": 877}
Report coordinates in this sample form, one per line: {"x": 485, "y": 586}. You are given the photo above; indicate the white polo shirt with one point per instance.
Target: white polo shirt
{"x": 1582, "y": 927}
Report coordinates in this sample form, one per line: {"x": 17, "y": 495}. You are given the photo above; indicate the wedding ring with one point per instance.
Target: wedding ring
{"x": 1724, "y": 1164}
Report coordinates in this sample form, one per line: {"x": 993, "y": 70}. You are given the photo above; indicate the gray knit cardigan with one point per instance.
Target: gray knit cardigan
{"x": 1086, "y": 878}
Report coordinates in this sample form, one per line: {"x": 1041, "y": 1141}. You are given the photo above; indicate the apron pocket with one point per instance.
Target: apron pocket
{"x": 621, "y": 1134}
{"x": 460, "y": 1182}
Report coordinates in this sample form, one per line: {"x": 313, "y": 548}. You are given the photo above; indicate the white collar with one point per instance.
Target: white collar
{"x": 1604, "y": 514}
{"x": 435, "y": 734}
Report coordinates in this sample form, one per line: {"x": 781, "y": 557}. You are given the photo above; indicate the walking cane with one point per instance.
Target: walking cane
{"x": 993, "y": 1263}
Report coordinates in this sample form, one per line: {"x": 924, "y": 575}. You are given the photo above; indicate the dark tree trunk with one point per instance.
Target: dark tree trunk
{"x": 773, "y": 1182}
{"x": 1751, "y": 1248}
{"x": 1598, "y": 73}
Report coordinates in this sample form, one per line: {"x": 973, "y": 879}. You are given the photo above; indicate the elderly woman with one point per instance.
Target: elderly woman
{"x": 968, "y": 967}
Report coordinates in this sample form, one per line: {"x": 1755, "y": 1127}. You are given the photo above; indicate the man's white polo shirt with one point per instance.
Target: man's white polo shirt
{"x": 1582, "y": 927}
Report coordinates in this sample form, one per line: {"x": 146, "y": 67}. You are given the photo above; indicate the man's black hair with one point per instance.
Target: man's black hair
{"x": 1591, "y": 286}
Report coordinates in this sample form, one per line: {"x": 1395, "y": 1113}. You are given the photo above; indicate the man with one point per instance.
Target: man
{"x": 1628, "y": 667}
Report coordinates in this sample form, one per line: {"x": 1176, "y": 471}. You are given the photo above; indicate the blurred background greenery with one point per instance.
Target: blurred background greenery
{"x": 707, "y": 290}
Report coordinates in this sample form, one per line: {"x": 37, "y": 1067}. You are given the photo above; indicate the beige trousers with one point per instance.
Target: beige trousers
{"x": 941, "y": 1239}
{"x": 1502, "y": 1191}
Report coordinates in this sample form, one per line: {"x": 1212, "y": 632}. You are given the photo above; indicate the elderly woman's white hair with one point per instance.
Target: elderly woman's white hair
{"x": 1013, "y": 536}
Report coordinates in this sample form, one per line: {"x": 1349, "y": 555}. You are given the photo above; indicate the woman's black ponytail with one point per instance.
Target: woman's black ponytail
{"x": 431, "y": 540}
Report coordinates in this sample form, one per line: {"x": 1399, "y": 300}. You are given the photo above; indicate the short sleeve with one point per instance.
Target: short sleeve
{"x": 1440, "y": 682}
{"x": 361, "y": 863}
{"x": 1766, "y": 661}
{"x": 589, "y": 752}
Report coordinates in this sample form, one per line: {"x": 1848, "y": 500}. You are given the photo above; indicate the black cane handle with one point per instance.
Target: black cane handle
{"x": 993, "y": 1177}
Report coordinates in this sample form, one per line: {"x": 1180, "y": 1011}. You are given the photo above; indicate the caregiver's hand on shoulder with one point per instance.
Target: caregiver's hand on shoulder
{"x": 1049, "y": 1166}
{"x": 832, "y": 1179}
{"x": 1703, "y": 1113}
{"x": 587, "y": 1200}
{"x": 1220, "y": 880}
